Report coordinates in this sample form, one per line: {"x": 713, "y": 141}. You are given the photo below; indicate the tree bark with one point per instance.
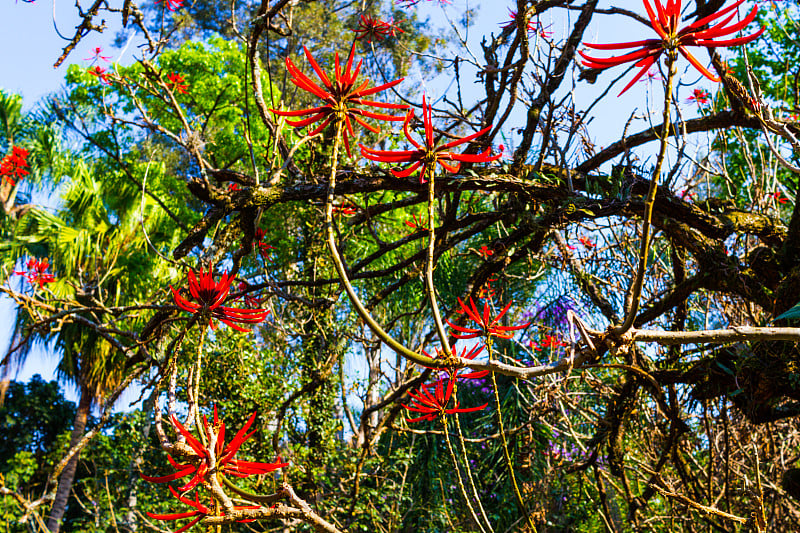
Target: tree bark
{"x": 68, "y": 475}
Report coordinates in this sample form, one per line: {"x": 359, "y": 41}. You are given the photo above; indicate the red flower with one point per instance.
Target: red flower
{"x": 375, "y": 29}
{"x": 200, "y": 462}
{"x": 486, "y": 291}
{"x": 210, "y": 295}
{"x": 664, "y": 20}
{"x": 200, "y": 511}
{"x": 433, "y": 405}
{"x": 651, "y": 75}
{"x": 249, "y": 299}
{"x": 100, "y": 73}
{"x": 36, "y": 272}
{"x": 172, "y": 5}
{"x": 533, "y": 25}
{"x": 14, "y": 166}
{"x": 452, "y": 370}
{"x": 411, "y": 3}
{"x": 504, "y": 156}
{"x": 779, "y": 197}
{"x": 485, "y": 252}
{"x": 177, "y": 83}
{"x": 97, "y": 55}
{"x": 534, "y": 346}
{"x": 701, "y": 96}
{"x": 551, "y": 341}
{"x": 392, "y": 29}
{"x": 586, "y": 242}
{"x": 417, "y": 223}
{"x": 488, "y": 326}
{"x": 347, "y": 210}
{"x": 263, "y": 247}
{"x": 340, "y": 98}
{"x": 428, "y": 155}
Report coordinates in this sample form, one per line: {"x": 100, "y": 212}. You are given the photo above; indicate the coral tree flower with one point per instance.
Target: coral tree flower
{"x": 14, "y": 166}
{"x": 485, "y": 252}
{"x": 416, "y": 223}
{"x": 533, "y": 26}
{"x": 98, "y": 55}
{"x": 172, "y": 5}
{"x": 177, "y": 83}
{"x": 434, "y": 404}
{"x": 100, "y": 73}
{"x": 452, "y": 369}
{"x": 487, "y": 326}
{"x": 263, "y": 247}
{"x": 701, "y": 96}
{"x": 249, "y": 299}
{"x": 374, "y": 29}
{"x": 209, "y": 296}
{"x": 778, "y": 196}
{"x": 36, "y": 272}
{"x": 345, "y": 210}
{"x": 427, "y": 155}
{"x": 551, "y": 341}
{"x": 340, "y": 98}
{"x": 664, "y": 20}
{"x": 199, "y": 461}
{"x": 200, "y": 511}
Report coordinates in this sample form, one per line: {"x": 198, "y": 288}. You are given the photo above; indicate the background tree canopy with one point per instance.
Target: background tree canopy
{"x": 491, "y": 296}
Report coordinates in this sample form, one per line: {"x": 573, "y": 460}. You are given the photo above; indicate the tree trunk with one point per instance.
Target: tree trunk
{"x": 130, "y": 521}
{"x": 68, "y": 474}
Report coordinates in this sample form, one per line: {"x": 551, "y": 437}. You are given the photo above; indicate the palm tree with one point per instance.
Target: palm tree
{"x": 100, "y": 257}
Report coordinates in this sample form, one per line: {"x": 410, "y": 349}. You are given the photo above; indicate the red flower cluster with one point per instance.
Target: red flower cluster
{"x": 36, "y": 272}
{"x": 533, "y": 25}
{"x": 347, "y": 210}
{"x": 200, "y": 511}
{"x": 487, "y": 326}
{"x": 701, "y": 96}
{"x": 340, "y": 98}
{"x": 586, "y": 242}
{"x": 486, "y": 291}
{"x": 428, "y": 155}
{"x": 249, "y": 299}
{"x": 434, "y": 404}
{"x": 453, "y": 371}
{"x": 374, "y": 29}
{"x": 411, "y": 3}
{"x": 225, "y": 455}
{"x": 200, "y": 465}
{"x": 417, "y": 223}
{"x": 664, "y": 20}
{"x": 98, "y": 55}
{"x": 177, "y": 83}
{"x": 172, "y": 5}
{"x": 14, "y": 166}
{"x": 263, "y": 247}
{"x": 551, "y": 341}
{"x": 100, "y": 73}
{"x": 210, "y": 295}
{"x": 485, "y": 252}
{"x": 778, "y": 196}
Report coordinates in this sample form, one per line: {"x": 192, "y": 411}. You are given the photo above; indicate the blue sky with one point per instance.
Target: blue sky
{"x": 30, "y": 47}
